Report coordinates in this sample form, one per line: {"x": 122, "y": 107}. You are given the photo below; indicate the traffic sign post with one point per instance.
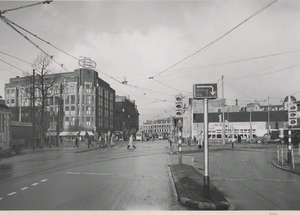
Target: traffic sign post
{"x": 292, "y": 115}
{"x": 205, "y": 92}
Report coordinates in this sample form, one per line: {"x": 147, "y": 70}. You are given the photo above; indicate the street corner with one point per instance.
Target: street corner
{"x": 204, "y": 205}
{"x": 284, "y": 167}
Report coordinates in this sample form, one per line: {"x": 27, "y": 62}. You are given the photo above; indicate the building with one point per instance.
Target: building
{"x": 242, "y": 120}
{"x": 157, "y": 127}
{"x": 79, "y": 102}
{"x": 126, "y": 117}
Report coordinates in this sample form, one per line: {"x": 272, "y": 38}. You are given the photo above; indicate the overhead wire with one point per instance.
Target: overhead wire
{"x": 22, "y": 7}
{"x": 15, "y": 57}
{"x": 219, "y": 38}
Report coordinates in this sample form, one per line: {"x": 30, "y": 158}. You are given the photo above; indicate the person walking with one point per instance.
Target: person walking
{"x": 90, "y": 141}
{"x": 200, "y": 140}
{"x": 130, "y": 143}
{"x": 76, "y": 142}
{"x": 105, "y": 140}
{"x": 112, "y": 140}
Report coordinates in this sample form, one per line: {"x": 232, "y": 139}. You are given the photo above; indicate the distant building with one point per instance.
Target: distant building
{"x": 126, "y": 117}
{"x": 157, "y": 127}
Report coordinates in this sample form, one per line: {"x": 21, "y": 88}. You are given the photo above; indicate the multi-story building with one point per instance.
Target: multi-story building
{"x": 157, "y": 127}
{"x": 126, "y": 116}
{"x": 78, "y": 102}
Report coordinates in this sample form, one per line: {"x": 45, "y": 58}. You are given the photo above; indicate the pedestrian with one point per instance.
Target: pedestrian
{"x": 89, "y": 141}
{"x": 200, "y": 140}
{"x": 112, "y": 140}
{"x": 170, "y": 139}
{"x": 76, "y": 142}
{"x": 105, "y": 140}
{"x": 130, "y": 143}
{"x": 100, "y": 141}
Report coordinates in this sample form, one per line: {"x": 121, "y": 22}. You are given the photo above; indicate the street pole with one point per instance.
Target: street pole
{"x": 289, "y": 151}
{"x": 59, "y": 114}
{"x": 223, "y": 117}
{"x": 268, "y": 114}
{"x": 33, "y": 109}
{"x": 206, "y": 166}
{"x": 250, "y": 124}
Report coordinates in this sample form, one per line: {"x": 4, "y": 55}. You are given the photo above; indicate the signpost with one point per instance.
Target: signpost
{"x": 205, "y": 92}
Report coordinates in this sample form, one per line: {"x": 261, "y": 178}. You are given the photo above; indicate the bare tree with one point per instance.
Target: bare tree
{"x": 45, "y": 82}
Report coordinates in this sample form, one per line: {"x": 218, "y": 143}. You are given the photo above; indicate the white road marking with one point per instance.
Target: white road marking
{"x": 13, "y": 193}
{"x": 76, "y": 173}
{"x": 24, "y": 188}
{"x": 1, "y": 199}
{"x": 69, "y": 172}
{"x": 256, "y": 179}
{"x": 35, "y": 184}
{"x": 44, "y": 180}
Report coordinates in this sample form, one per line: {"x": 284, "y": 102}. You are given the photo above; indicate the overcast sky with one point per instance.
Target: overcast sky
{"x": 141, "y": 39}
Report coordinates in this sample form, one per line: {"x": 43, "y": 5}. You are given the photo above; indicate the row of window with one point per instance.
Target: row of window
{"x": 157, "y": 130}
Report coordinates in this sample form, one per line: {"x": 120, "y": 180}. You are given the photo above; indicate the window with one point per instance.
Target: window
{"x": 72, "y": 120}
{"x": 67, "y": 100}
{"x": 88, "y": 99}
{"x": 72, "y": 110}
{"x": 88, "y": 121}
{"x": 72, "y": 99}
{"x": 67, "y": 119}
{"x": 88, "y": 110}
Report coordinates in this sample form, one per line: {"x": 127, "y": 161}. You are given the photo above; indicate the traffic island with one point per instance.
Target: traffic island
{"x": 190, "y": 189}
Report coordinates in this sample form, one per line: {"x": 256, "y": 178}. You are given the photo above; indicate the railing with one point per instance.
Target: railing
{"x": 280, "y": 154}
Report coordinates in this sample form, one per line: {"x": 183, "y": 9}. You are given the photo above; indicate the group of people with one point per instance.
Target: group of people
{"x": 103, "y": 141}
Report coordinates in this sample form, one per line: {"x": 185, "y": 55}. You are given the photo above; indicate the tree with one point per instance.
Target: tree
{"x": 46, "y": 86}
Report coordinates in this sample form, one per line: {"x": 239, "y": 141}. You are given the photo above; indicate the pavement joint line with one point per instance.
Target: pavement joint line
{"x": 13, "y": 193}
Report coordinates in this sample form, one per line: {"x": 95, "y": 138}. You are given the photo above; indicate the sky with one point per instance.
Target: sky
{"x": 178, "y": 43}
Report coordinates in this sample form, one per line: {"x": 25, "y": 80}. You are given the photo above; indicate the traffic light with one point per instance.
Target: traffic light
{"x": 179, "y": 105}
{"x": 292, "y": 112}
{"x": 220, "y": 117}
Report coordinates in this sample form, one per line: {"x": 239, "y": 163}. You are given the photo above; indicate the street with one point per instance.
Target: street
{"x": 140, "y": 179}
{"x": 248, "y": 180}
{"x": 102, "y": 179}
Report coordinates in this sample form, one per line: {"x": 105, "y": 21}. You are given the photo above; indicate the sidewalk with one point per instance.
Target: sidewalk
{"x": 83, "y": 147}
{"x": 288, "y": 167}
{"x": 190, "y": 187}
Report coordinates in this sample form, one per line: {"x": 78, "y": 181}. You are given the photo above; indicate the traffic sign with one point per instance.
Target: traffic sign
{"x": 205, "y": 91}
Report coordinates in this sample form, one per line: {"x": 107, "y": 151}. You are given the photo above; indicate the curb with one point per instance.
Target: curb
{"x": 204, "y": 205}
{"x": 289, "y": 169}
{"x": 197, "y": 205}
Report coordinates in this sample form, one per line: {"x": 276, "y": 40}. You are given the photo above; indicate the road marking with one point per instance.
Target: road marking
{"x": 255, "y": 179}
{"x": 44, "y": 180}
{"x": 35, "y": 184}
{"x": 114, "y": 174}
{"x": 24, "y": 188}
{"x": 13, "y": 193}
{"x": 1, "y": 199}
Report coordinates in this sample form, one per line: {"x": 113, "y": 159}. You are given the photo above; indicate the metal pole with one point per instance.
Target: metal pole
{"x": 293, "y": 161}
{"x": 250, "y": 123}
{"x": 281, "y": 155}
{"x": 278, "y": 154}
{"x": 33, "y": 109}
{"x": 299, "y": 149}
{"x": 268, "y": 114}
{"x": 290, "y": 145}
{"x": 206, "y": 166}
{"x": 179, "y": 146}
{"x": 223, "y": 116}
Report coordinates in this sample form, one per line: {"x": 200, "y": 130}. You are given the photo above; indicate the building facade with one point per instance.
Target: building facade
{"x": 78, "y": 102}
{"x": 157, "y": 127}
{"x": 126, "y": 117}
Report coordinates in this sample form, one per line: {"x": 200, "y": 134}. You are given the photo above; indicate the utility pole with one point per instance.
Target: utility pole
{"x": 268, "y": 114}
{"x": 33, "y": 109}
{"x": 223, "y": 117}
{"x": 59, "y": 114}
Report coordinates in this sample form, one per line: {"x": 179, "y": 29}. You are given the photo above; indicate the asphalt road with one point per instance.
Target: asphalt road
{"x": 248, "y": 180}
{"x": 103, "y": 179}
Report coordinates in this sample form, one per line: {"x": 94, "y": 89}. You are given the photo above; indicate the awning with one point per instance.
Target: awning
{"x": 52, "y": 133}
{"x": 90, "y": 133}
{"x": 73, "y": 133}
{"x": 64, "y": 133}
{"x": 82, "y": 133}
